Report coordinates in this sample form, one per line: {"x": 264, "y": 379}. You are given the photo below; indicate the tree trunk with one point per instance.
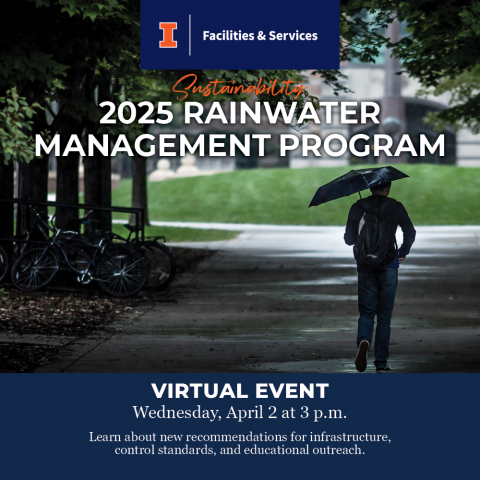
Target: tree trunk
{"x": 33, "y": 182}
{"x": 6, "y": 192}
{"x": 67, "y": 187}
{"x": 139, "y": 178}
{"x": 98, "y": 169}
{"x": 98, "y": 190}
{"x": 32, "y": 186}
{"x": 139, "y": 186}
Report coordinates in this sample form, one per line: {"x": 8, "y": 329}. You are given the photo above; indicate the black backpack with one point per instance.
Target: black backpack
{"x": 373, "y": 249}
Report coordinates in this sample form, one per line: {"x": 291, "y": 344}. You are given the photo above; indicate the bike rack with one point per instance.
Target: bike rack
{"x": 139, "y": 215}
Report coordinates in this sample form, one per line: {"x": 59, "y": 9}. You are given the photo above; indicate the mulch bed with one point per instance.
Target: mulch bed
{"x": 63, "y": 311}
{"x": 18, "y": 358}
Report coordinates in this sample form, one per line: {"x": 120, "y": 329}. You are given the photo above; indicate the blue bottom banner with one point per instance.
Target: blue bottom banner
{"x": 238, "y": 426}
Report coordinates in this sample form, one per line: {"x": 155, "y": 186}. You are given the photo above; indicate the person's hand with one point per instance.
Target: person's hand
{"x": 401, "y": 259}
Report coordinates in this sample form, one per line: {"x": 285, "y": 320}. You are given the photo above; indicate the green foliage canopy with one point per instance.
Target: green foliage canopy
{"x": 72, "y": 50}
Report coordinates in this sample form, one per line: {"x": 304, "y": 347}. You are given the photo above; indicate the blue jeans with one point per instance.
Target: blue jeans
{"x": 376, "y": 296}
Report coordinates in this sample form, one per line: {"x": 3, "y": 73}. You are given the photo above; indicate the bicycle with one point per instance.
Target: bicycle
{"x": 160, "y": 260}
{"x": 119, "y": 272}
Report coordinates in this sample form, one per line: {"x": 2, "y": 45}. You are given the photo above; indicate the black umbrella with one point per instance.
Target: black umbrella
{"x": 354, "y": 182}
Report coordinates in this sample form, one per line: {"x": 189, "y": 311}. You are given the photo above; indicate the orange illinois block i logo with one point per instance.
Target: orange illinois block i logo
{"x": 167, "y": 29}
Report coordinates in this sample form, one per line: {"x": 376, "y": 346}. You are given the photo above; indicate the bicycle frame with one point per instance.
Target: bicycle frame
{"x": 119, "y": 272}
{"x": 54, "y": 242}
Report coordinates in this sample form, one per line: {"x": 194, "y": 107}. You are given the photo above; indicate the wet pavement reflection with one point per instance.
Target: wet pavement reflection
{"x": 269, "y": 301}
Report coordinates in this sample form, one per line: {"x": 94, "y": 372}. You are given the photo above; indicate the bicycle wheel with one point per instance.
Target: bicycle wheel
{"x": 121, "y": 273}
{"x": 3, "y": 264}
{"x": 34, "y": 269}
{"x": 161, "y": 264}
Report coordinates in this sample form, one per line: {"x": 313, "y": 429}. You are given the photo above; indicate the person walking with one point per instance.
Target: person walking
{"x": 371, "y": 227}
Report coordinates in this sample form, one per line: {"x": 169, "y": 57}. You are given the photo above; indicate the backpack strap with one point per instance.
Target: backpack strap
{"x": 389, "y": 201}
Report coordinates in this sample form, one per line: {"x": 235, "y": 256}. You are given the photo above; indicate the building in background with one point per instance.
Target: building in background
{"x": 400, "y": 108}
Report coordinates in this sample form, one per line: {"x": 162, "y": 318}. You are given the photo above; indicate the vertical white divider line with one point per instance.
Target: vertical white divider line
{"x": 189, "y": 35}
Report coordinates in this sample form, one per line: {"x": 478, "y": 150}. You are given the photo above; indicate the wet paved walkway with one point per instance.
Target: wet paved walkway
{"x": 283, "y": 299}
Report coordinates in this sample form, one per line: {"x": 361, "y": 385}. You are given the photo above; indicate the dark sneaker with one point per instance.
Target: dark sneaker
{"x": 362, "y": 355}
{"x": 387, "y": 369}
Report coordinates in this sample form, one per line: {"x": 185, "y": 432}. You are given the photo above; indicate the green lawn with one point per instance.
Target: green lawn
{"x": 180, "y": 234}
{"x": 434, "y": 195}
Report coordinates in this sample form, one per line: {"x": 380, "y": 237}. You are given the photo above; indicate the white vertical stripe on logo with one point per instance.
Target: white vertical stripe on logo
{"x": 190, "y": 35}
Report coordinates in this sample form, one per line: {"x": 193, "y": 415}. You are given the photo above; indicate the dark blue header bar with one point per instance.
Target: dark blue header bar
{"x": 248, "y": 35}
